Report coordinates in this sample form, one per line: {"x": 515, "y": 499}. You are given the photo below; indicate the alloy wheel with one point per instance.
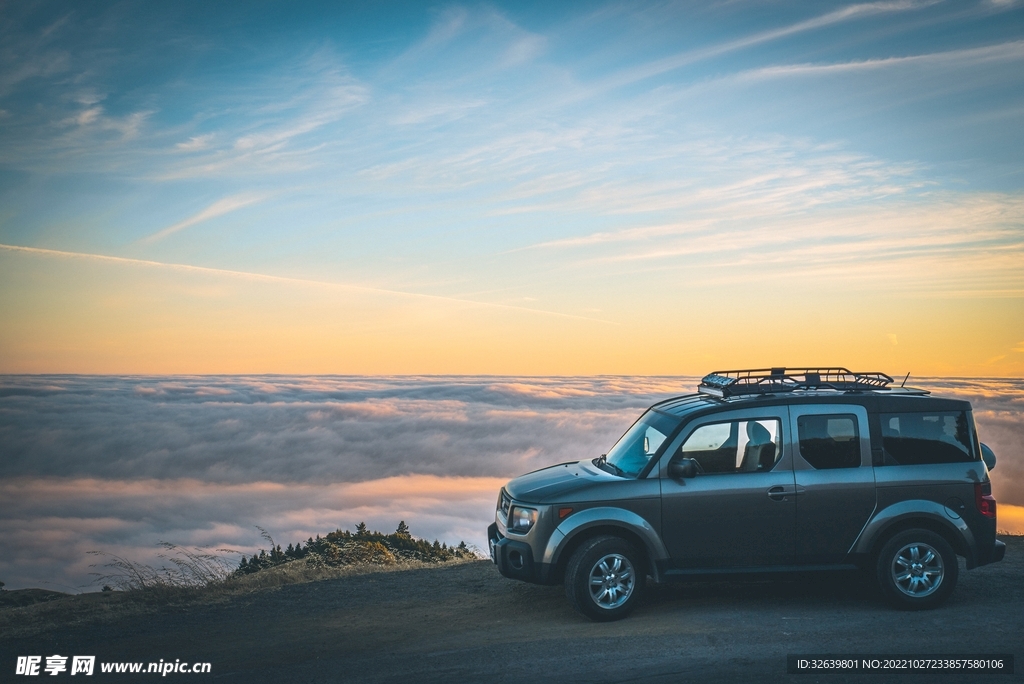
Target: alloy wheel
{"x": 612, "y": 579}
{"x": 917, "y": 570}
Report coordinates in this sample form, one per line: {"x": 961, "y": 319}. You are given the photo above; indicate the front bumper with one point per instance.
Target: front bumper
{"x": 515, "y": 559}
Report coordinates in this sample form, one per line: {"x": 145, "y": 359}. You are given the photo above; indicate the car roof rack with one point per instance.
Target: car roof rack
{"x": 734, "y": 383}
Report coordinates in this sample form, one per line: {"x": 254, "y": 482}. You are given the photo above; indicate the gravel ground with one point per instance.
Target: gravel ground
{"x": 467, "y": 623}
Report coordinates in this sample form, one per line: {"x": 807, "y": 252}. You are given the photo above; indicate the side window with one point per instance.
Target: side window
{"x": 829, "y": 441}
{"x": 736, "y": 446}
{"x": 920, "y": 438}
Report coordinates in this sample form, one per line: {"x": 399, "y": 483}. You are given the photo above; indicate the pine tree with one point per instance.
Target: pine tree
{"x": 361, "y": 529}
{"x": 403, "y": 529}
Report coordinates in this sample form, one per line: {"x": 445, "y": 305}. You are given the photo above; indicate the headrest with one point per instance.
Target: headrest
{"x": 757, "y": 433}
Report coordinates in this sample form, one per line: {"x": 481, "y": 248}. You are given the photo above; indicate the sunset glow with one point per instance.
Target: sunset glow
{"x": 538, "y": 189}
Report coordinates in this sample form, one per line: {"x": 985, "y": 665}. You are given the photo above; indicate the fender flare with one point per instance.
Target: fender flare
{"x": 604, "y": 516}
{"x": 935, "y": 513}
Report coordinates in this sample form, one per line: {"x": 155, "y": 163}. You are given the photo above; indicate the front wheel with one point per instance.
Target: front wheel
{"x": 605, "y": 578}
{"x": 917, "y": 570}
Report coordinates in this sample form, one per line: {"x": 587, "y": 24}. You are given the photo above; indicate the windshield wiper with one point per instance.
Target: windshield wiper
{"x": 618, "y": 471}
{"x": 603, "y": 461}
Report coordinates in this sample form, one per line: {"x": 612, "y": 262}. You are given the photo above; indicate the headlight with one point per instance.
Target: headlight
{"x": 520, "y": 519}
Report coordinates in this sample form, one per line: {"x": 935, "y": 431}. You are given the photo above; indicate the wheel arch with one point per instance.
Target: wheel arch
{"x": 595, "y": 522}
{"x": 909, "y": 515}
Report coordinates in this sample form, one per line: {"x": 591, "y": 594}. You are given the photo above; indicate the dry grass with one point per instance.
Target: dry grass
{"x": 193, "y": 576}
{"x": 189, "y": 569}
{"x": 299, "y": 571}
{"x": 159, "y": 595}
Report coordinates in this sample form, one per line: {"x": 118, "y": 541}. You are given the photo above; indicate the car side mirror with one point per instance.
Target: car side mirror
{"x": 682, "y": 468}
{"x": 988, "y": 456}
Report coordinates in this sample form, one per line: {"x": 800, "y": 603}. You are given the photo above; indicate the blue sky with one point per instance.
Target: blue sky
{"x": 521, "y": 171}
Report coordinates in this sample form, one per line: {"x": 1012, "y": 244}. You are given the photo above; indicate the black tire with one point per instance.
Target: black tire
{"x": 917, "y": 570}
{"x": 619, "y": 577}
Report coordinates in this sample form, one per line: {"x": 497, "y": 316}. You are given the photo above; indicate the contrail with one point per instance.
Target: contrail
{"x": 285, "y": 279}
{"x": 218, "y": 208}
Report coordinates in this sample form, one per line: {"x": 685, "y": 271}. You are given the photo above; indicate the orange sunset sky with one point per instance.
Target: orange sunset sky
{"x": 512, "y": 189}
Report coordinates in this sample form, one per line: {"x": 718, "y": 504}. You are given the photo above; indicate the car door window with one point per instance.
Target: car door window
{"x": 829, "y": 441}
{"x": 735, "y": 446}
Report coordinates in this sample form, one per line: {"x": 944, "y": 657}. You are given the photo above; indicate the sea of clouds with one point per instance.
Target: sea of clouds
{"x": 119, "y": 464}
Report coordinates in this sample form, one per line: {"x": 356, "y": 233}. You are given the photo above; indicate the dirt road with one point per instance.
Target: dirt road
{"x": 466, "y": 623}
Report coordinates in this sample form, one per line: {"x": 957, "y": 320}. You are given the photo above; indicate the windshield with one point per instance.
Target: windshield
{"x": 635, "y": 448}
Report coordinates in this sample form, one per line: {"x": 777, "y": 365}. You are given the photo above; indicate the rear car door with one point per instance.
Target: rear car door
{"x": 739, "y": 512}
{"x": 835, "y": 482}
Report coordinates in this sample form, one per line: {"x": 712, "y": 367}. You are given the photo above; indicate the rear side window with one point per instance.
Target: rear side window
{"x": 829, "y": 441}
{"x": 922, "y": 438}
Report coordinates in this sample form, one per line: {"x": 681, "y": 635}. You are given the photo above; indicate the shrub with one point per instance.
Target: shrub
{"x": 343, "y": 547}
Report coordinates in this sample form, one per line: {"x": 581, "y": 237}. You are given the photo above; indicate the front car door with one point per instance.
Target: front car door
{"x": 740, "y": 512}
{"x": 834, "y": 480}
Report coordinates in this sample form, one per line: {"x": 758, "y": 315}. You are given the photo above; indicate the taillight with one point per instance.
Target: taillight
{"x": 983, "y": 499}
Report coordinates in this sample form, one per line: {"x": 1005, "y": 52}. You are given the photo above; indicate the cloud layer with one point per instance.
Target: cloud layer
{"x": 120, "y": 463}
{"x": 326, "y": 429}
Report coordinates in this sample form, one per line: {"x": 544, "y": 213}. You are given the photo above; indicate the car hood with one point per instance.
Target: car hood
{"x": 558, "y": 483}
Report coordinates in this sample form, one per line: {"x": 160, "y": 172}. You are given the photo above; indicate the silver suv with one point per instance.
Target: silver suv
{"x": 762, "y": 470}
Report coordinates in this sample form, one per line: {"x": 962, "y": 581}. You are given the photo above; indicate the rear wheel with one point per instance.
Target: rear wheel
{"x": 917, "y": 569}
{"x": 605, "y": 578}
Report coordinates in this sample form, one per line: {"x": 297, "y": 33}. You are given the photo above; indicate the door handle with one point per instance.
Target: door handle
{"x": 780, "y": 492}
